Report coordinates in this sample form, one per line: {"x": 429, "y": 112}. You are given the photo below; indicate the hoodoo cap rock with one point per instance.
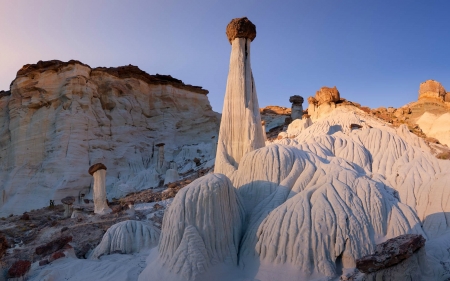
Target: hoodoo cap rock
{"x": 241, "y": 28}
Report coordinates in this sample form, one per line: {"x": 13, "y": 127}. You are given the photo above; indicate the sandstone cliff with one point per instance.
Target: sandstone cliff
{"x": 61, "y": 117}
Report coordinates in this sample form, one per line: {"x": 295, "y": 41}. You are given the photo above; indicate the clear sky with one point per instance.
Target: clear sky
{"x": 376, "y": 52}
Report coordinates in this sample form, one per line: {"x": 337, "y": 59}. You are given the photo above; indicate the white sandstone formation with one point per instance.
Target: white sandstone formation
{"x": 241, "y": 132}
{"x": 98, "y": 171}
{"x": 193, "y": 239}
{"x": 61, "y": 116}
{"x": 297, "y": 107}
{"x": 436, "y": 126}
{"x": 171, "y": 176}
{"x": 127, "y": 237}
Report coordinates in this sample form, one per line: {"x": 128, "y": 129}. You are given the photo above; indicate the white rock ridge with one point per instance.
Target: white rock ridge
{"x": 127, "y": 237}
{"x": 241, "y": 132}
{"x": 63, "y": 117}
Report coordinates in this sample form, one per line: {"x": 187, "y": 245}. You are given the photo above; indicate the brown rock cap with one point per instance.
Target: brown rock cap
{"x": 297, "y": 100}
{"x": 94, "y": 168}
{"x": 241, "y": 28}
{"x": 127, "y": 71}
{"x": 68, "y": 200}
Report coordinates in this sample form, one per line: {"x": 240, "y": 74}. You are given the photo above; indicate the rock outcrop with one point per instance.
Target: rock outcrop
{"x": 62, "y": 117}
{"x": 127, "y": 237}
{"x": 326, "y": 94}
{"x": 432, "y": 90}
{"x": 241, "y": 130}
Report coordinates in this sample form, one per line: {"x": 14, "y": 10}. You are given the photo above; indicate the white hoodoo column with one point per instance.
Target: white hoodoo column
{"x": 240, "y": 128}
{"x": 98, "y": 171}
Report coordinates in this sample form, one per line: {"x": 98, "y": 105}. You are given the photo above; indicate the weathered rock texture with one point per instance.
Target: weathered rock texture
{"x": 241, "y": 130}
{"x": 193, "y": 240}
{"x": 241, "y": 28}
{"x": 62, "y": 117}
{"x": 391, "y": 252}
{"x": 432, "y": 90}
{"x": 326, "y": 94}
{"x": 127, "y": 237}
{"x": 100, "y": 204}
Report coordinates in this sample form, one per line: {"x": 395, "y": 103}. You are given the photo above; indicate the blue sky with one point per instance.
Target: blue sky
{"x": 375, "y": 52}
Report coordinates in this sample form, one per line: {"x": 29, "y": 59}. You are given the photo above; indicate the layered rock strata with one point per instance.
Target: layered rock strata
{"x": 61, "y": 117}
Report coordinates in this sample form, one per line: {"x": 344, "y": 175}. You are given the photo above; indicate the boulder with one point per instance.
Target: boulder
{"x": 391, "y": 252}
{"x": 53, "y": 245}
{"x": 297, "y": 107}
{"x": 3, "y": 245}
{"x": 19, "y": 268}
{"x": 432, "y": 90}
{"x": 326, "y": 94}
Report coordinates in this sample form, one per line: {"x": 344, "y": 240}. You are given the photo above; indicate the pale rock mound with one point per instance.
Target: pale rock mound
{"x": 62, "y": 117}
{"x": 297, "y": 126}
{"x": 127, "y": 237}
{"x": 201, "y": 228}
{"x": 436, "y": 126}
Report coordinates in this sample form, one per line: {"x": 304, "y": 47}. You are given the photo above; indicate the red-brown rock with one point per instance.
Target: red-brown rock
{"x": 3, "y": 245}
{"x": 94, "y": 168}
{"x": 19, "y": 268}
{"x": 56, "y": 256}
{"x": 391, "y": 252}
{"x": 432, "y": 89}
{"x": 241, "y": 28}
{"x": 53, "y": 245}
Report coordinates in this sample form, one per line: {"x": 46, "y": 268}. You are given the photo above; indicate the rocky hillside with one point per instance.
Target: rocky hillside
{"x": 61, "y": 117}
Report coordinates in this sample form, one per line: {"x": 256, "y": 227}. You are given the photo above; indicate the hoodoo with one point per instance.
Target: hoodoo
{"x": 240, "y": 129}
{"x": 98, "y": 171}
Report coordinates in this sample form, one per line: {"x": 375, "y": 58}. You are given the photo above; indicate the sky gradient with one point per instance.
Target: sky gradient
{"x": 375, "y": 52}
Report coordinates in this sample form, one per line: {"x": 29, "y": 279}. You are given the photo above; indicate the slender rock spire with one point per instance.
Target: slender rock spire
{"x": 240, "y": 128}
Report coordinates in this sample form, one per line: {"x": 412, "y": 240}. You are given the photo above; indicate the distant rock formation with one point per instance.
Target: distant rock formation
{"x": 326, "y": 94}
{"x": 432, "y": 90}
{"x": 297, "y": 107}
{"x": 241, "y": 130}
{"x": 62, "y": 117}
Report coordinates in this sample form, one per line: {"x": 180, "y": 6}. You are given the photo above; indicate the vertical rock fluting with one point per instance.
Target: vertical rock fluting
{"x": 240, "y": 129}
{"x": 98, "y": 171}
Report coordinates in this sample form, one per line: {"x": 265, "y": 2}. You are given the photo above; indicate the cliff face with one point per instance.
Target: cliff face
{"x": 62, "y": 117}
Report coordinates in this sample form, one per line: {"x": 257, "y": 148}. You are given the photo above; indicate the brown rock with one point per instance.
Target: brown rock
{"x": 19, "y": 268}
{"x": 69, "y": 200}
{"x": 297, "y": 100}
{"x": 3, "y": 245}
{"x": 241, "y": 28}
{"x": 56, "y": 256}
{"x": 94, "y": 168}
{"x": 432, "y": 89}
{"x": 274, "y": 109}
{"x": 25, "y": 217}
{"x": 446, "y": 99}
{"x": 43, "y": 262}
{"x": 312, "y": 100}
{"x": 53, "y": 245}
{"x": 391, "y": 252}
{"x": 116, "y": 208}
{"x": 326, "y": 94}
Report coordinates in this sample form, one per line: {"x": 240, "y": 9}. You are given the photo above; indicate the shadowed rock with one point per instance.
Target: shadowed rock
{"x": 94, "y": 168}
{"x": 391, "y": 252}
{"x": 53, "y": 245}
{"x": 19, "y": 269}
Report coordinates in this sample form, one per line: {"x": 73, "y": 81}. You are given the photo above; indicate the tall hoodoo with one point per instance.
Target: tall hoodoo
{"x": 240, "y": 129}
{"x": 98, "y": 171}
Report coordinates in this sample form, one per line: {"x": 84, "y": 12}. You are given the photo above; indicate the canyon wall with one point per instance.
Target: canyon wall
{"x": 59, "y": 118}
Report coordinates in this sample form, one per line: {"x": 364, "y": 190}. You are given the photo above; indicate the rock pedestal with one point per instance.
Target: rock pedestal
{"x": 240, "y": 128}
{"x": 297, "y": 107}
{"x": 98, "y": 171}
